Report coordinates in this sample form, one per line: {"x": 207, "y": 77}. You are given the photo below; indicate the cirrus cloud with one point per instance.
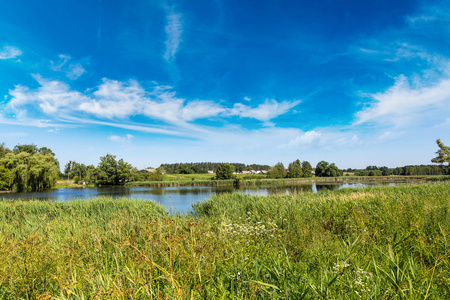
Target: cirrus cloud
{"x": 9, "y": 52}
{"x": 407, "y": 102}
{"x": 121, "y": 139}
{"x": 118, "y": 101}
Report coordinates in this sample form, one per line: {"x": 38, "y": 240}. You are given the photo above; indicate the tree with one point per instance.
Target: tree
{"x": 33, "y": 172}
{"x": 158, "y": 175}
{"x": 80, "y": 171}
{"x": 385, "y": 171}
{"x": 295, "y": 169}
{"x": 277, "y": 171}
{"x": 321, "y": 168}
{"x": 324, "y": 169}
{"x": 5, "y": 178}
{"x": 307, "y": 169}
{"x": 224, "y": 171}
{"x": 68, "y": 169}
{"x": 443, "y": 153}
{"x": 3, "y": 150}
{"x": 90, "y": 173}
{"x": 28, "y": 148}
{"x": 184, "y": 169}
{"x": 112, "y": 172}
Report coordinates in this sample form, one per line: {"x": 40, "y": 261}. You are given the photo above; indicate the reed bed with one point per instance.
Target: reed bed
{"x": 371, "y": 243}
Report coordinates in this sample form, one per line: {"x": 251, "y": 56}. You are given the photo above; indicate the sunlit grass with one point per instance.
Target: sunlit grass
{"x": 371, "y": 243}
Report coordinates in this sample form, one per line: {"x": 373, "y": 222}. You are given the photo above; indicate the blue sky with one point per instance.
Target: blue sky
{"x": 356, "y": 83}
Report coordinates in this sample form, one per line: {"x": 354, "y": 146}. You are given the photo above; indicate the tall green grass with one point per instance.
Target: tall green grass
{"x": 372, "y": 243}
{"x": 381, "y": 243}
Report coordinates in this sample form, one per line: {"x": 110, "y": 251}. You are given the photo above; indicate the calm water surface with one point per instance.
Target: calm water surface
{"x": 180, "y": 198}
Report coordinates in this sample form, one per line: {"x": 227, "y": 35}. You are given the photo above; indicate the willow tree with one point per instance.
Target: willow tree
{"x": 5, "y": 179}
{"x": 30, "y": 172}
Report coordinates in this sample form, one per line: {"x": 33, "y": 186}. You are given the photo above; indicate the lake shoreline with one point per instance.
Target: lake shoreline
{"x": 284, "y": 181}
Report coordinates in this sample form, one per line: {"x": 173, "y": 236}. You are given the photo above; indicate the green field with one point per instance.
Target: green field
{"x": 372, "y": 243}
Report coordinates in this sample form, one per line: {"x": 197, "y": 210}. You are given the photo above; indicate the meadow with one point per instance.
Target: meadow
{"x": 370, "y": 243}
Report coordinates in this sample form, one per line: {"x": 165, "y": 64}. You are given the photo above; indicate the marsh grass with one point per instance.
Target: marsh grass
{"x": 371, "y": 243}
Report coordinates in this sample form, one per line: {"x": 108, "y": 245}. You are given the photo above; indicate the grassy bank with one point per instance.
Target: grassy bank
{"x": 71, "y": 184}
{"x": 372, "y": 243}
{"x": 188, "y": 177}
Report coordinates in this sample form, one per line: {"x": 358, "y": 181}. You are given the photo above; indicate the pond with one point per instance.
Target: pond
{"x": 181, "y": 198}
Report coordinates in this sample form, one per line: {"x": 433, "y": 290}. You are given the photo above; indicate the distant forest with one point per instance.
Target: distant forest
{"x": 405, "y": 171}
{"x": 204, "y": 167}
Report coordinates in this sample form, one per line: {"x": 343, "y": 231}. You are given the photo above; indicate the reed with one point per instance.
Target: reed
{"x": 371, "y": 243}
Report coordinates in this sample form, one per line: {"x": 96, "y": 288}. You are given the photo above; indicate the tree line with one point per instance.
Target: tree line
{"x": 404, "y": 171}
{"x": 29, "y": 168}
{"x": 204, "y": 167}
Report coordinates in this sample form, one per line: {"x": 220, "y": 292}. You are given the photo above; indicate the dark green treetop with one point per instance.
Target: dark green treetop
{"x": 443, "y": 153}
{"x": 224, "y": 171}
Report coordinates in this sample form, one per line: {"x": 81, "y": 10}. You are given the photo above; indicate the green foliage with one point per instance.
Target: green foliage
{"x": 3, "y": 150}
{"x": 307, "y": 169}
{"x": 224, "y": 171}
{"x": 443, "y": 153}
{"x": 277, "y": 171}
{"x": 204, "y": 167}
{"x": 324, "y": 169}
{"x": 320, "y": 168}
{"x": 72, "y": 169}
{"x": 28, "y": 148}
{"x": 184, "y": 169}
{"x": 369, "y": 173}
{"x": 5, "y": 179}
{"x": 295, "y": 169}
{"x": 158, "y": 175}
{"x": 410, "y": 170}
{"x": 112, "y": 172}
{"x": 31, "y": 172}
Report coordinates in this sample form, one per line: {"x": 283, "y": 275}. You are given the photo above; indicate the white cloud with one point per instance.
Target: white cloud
{"x": 201, "y": 109}
{"x": 404, "y": 103}
{"x": 173, "y": 31}
{"x": 119, "y": 101}
{"x": 50, "y": 97}
{"x": 73, "y": 70}
{"x": 346, "y": 142}
{"x": 121, "y": 139}
{"x": 115, "y": 99}
{"x": 266, "y": 111}
{"x": 55, "y": 130}
{"x": 431, "y": 13}
{"x": 306, "y": 138}
{"x": 388, "y": 136}
{"x": 9, "y": 52}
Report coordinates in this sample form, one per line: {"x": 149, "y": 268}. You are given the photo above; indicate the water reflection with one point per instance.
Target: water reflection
{"x": 181, "y": 198}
